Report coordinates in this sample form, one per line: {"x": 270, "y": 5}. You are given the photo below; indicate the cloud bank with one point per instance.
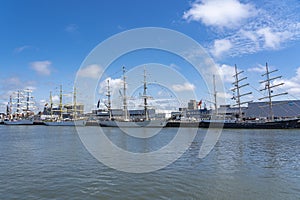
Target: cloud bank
{"x": 41, "y": 67}
{"x": 246, "y": 28}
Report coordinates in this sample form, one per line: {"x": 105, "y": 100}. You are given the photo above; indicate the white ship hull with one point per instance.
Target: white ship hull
{"x": 66, "y": 123}
{"x": 132, "y": 124}
{"x": 19, "y": 122}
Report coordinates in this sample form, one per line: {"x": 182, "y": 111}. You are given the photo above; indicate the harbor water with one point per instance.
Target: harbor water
{"x": 39, "y": 162}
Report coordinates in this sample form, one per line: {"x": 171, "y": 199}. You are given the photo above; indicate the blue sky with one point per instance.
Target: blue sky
{"x": 43, "y": 43}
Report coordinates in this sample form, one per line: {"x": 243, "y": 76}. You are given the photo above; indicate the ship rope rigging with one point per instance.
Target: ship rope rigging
{"x": 237, "y": 90}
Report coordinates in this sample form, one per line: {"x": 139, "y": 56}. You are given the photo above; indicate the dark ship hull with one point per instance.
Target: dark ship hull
{"x": 284, "y": 124}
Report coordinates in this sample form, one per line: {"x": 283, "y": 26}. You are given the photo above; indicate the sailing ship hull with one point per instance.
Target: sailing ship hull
{"x": 284, "y": 124}
{"x": 66, "y": 123}
{"x": 19, "y": 122}
{"x": 132, "y": 124}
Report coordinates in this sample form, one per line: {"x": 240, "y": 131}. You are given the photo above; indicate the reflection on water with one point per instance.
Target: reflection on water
{"x": 51, "y": 163}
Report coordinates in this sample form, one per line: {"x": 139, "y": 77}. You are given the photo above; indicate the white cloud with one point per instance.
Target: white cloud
{"x": 15, "y": 81}
{"x": 91, "y": 71}
{"x": 292, "y": 85}
{"x": 273, "y": 39}
{"x": 226, "y": 72}
{"x": 114, "y": 84}
{"x": 71, "y": 28}
{"x": 22, "y": 48}
{"x": 220, "y": 47}
{"x": 220, "y": 13}
{"x": 259, "y": 69}
{"x": 224, "y": 95}
{"x": 185, "y": 87}
{"x": 272, "y": 25}
{"x": 41, "y": 67}
{"x": 55, "y": 98}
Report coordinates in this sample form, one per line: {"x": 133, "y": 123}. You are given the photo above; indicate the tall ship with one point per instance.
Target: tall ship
{"x": 59, "y": 120}
{"x": 240, "y": 121}
{"x": 258, "y": 123}
{"x": 125, "y": 120}
{"x": 20, "y": 109}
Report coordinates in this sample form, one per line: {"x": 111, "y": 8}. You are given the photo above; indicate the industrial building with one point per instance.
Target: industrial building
{"x": 281, "y": 109}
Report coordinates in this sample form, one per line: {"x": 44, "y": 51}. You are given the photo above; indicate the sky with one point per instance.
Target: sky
{"x": 44, "y": 44}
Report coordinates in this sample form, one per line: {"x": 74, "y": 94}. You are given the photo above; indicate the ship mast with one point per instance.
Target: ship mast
{"x": 60, "y": 102}
{"x": 124, "y": 96}
{"x": 268, "y": 88}
{"x": 10, "y": 105}
{"x": 108, "y": 99}
{"x": 215, "y": 95}
{"x": 145, "y": 97}
{"x": 51, "y": 105}
{"x": 28, "y": 102}
{"x": 74, "y": 102}
{"x": 18, "y": 102}
{"x": 237, "y": 88}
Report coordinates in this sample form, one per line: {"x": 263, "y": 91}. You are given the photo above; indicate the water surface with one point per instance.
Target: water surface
{"x": 38, "y": 162}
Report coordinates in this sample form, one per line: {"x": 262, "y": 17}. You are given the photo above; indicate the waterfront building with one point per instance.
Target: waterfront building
{"x": 192, "y": 105}
{"x": 281, "y": 109}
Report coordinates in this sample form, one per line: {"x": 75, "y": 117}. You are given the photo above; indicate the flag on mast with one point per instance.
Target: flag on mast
{"x": 200, "y": 103}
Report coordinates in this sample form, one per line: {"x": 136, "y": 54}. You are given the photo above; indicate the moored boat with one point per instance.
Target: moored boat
{"x": 133, "y": 124}
{"x": 18, "y": 122}
{"x": 126, "y": 121}
{"x": 60, "y": 121}
{"x": 239, "y": 121}
{"x": 78, "y": 122}
{"x": 23, "y": 114}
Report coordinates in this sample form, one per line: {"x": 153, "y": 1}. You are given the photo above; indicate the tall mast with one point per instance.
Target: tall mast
{"x": 145, "y": 97}
{"x": 10, "y": 104}
{"x": 215, "y": 95}
{"x": 236, "y": 88}
{"x": 18, "y": 102}
{"x": 108, "y": 99}
{"x": 51, "y": 105}
{"x": 27, "y": 100}
{"x": 124, "y": 96}
{"x": 74, "y": 102}
{"x": 268, "y": 87}
{"x": 60, "y": 102}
